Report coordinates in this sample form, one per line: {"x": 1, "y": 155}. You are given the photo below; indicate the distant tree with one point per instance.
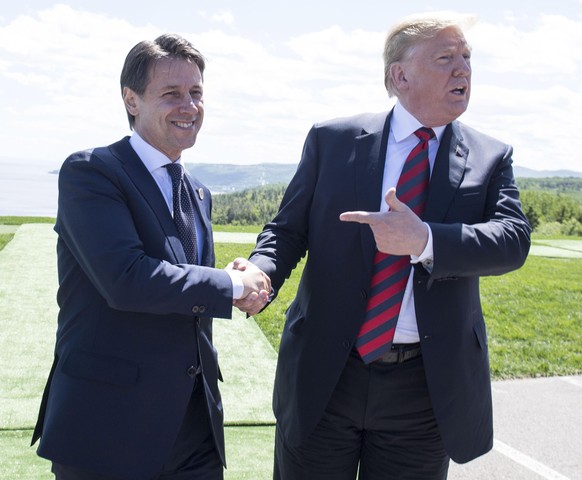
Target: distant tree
{"x": 255, "y": 206}
{"x": 551, "y": 205}
{"x": 571, "y": 186}
{"x": 545, "y": 208}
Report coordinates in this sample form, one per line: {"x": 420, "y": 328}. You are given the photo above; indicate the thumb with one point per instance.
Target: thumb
{"x": 393, "y": 202}
{"x": 240, "y": 264}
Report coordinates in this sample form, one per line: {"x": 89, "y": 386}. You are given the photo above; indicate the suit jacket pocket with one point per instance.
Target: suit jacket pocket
{"x": 481, "y": 334}
{"x": 468, "y": 206}
{"x": 470, "y": 196}
{"x": 295, "y": 318}
{"x": 102, "y": 368}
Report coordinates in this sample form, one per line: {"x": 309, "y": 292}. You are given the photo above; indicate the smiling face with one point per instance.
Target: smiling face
{"x": 170, "y": 112}
{"x": 434, "y": 81}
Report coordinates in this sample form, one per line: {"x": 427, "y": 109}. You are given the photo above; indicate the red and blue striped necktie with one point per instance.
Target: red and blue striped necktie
{"x": 391, "y": 272}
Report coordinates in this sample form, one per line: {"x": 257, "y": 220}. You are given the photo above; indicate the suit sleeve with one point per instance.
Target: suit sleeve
{"x": 284, "y": 241}
{"x": 483, "y": 237}
{"x": 108, "y": 233}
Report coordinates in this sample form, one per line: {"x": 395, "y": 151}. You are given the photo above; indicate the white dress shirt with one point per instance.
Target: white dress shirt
{"x": 401, "y": 141}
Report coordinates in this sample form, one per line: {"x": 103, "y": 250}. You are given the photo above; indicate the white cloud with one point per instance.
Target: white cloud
{"x": 549, "y": 48}
{"x": 527, "y": 89}
{"x": 224, "y": 16}
{"x": 59, "y": 80}
{"x": 539, "y": 124}
{"x": 60, "y": 68}
{"x": 260, "y": 104}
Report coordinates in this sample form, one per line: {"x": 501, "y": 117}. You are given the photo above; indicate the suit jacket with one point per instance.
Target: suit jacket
{"x": 478, "y": 229}
{"x": 134, "y": 318}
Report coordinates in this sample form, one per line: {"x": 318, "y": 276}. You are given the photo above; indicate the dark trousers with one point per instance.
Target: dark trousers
{"x": 193, "y": 457}
{"x": 378, "y": 425}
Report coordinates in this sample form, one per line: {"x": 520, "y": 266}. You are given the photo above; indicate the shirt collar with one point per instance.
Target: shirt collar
{"x": 403, "y": 124}
{"x": 151, "y": 157}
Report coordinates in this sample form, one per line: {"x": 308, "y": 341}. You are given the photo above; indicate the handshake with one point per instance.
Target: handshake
{"x": 257, "y": 286}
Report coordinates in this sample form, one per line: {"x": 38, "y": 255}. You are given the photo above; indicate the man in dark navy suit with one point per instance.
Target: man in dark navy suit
{"x": 133, "y": 392}
{"x": 387, "y": 374}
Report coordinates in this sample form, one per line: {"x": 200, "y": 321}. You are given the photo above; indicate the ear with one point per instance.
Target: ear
{"x": 129, "y": 99}
{"x": 398, "y": 76}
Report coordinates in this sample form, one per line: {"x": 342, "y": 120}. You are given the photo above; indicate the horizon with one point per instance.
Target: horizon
{"x": 24, "y": 193}
{"x": 274, "y": 70}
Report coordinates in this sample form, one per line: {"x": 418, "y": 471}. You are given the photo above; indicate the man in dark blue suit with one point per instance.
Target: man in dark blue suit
{"x": 133, "y": 392}
{"x": 354, "y": 393}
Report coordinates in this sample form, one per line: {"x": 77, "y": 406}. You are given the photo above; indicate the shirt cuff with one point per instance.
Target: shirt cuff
{"x": 237, "y": 284}
{"x": 427, "y": 255}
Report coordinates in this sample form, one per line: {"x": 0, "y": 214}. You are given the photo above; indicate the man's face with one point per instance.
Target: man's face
{"x": 435, "y": 82}
{"x": 170, "y": 112}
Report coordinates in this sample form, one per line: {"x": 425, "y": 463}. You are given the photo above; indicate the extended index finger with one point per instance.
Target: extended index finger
{"x": 360, "y": 217}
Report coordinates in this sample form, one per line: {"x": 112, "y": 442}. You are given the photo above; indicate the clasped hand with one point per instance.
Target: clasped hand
{"x": 399, "y": 231}
{"x": 257, "y": 286}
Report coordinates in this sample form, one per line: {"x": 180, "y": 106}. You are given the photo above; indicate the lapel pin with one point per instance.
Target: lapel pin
{"x": 459, "y": 151}
{"x": 201, "y": 193}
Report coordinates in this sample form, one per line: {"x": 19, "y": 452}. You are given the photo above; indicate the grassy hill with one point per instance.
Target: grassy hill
{"x": 227, "y": 178}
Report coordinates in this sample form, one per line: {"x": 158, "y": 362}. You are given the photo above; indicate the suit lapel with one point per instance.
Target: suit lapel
{"x": 448, "y": 171}
{"x": 370, "y": 156}
{"x": 147, "y": 186}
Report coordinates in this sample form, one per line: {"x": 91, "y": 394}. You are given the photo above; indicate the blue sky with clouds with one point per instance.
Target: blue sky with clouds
{"x": 276, "y": 68}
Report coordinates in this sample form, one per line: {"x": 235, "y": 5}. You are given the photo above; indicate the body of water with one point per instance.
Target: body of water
{"x": 28, "y": 188}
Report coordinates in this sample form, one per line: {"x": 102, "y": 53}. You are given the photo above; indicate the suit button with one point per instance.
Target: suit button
{"x": 202, "y": 309}
{"x": 346, "y": 344}
{"x": 191, "y": 371}
{"x": 364, "y": 294}
{"x": 195, "y": 309}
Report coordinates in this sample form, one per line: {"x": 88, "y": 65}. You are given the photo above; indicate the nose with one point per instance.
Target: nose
{"x": 462, "y": 67}
{"x": 190, "y": 103}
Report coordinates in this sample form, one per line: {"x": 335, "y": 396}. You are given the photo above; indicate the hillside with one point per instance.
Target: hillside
{"x": 523, "y": 172}
{"x": 227, "y": 178}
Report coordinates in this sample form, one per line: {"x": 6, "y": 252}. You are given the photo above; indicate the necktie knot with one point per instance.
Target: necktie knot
{"x": 176, "y": 171}
{"x": 424, "y": 133}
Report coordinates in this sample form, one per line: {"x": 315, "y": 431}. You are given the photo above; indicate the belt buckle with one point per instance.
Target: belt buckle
{"x": 403, "y": 352}
{"x": 399, "y": 353}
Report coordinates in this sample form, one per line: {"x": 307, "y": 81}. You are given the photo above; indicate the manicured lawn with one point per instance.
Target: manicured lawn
{"x": 533, "y": 315}
{"x": 249, "y": 452}
{"x": 534, "y": 319}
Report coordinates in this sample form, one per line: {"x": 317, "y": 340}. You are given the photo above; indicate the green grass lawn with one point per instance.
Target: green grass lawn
{"x": 534, "y": 322}
{"x": 249, "y": 452}
{"x": 533, "y": 315}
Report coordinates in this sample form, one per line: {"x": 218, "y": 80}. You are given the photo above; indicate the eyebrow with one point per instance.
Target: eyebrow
{"x": 171, "y": 87}
{"x": 454, "y": 47}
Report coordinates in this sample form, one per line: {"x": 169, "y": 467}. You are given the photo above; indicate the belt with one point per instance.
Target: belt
{"x": 400, "y": 353}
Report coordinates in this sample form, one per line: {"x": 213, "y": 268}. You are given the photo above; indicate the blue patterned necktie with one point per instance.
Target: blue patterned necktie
{"x": 183, "y": 212}
{"x": 391, "y": 272}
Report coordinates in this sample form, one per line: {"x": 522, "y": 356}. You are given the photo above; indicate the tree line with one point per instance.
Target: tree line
{"x": 254, "y": 206}
{"x": 552, "y": 205}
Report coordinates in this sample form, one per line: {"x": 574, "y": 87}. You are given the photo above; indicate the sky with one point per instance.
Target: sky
{"x": 276, "y": 68}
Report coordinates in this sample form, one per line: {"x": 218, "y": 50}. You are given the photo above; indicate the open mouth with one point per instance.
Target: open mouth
{"x": 459, "y": 90}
